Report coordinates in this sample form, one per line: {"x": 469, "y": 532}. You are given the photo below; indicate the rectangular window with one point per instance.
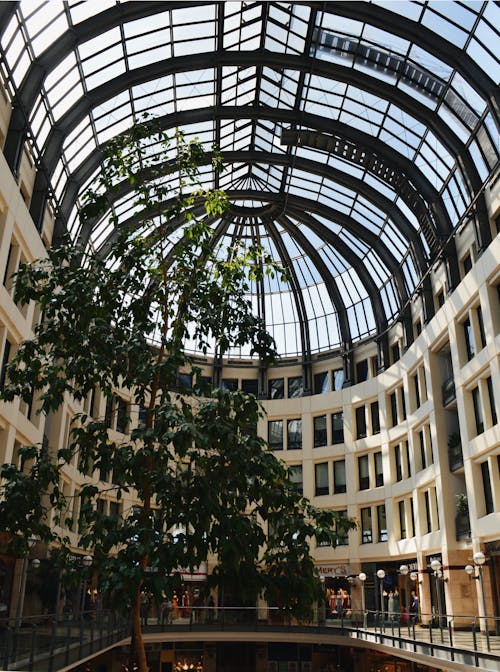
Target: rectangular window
{"x": 480, "y": 324}
{"x": 294, "y": 434}
{"x": 185, "y": 381}
{"x": 343, "y": 537}
{"x": 478, "y": 411}
{"x": 321, "y": 479}
{"x": 321, "y": 383}
{"x": 469, "y": 339}
{"x": 320, "y": 438}
{"x": 122, "y": 416}
{"x": 366, "y": 525}
{"x": 5, "y": 362}
{"x": 339, "y": 479}
{"x": 295, "y": 387}
{"x": 360, "y": 422}
{"x": 423, "y": 455}
{"x": 491, "y": 399}
{"x": 403, "y": 402}
{"x": 250, "y": 386}
{"x": 338, "y": 379}
{"x": 364, "y": 472}
{"x": 381, "y": 523}
{"x": 108, "y": 416}
{"x": 229, "y": 384}
{"x": 407, "y": 453}
{"x": 275, "y": 434}
{"x": 402, "y": 519}
{"x": 394, "y": 409}
{"x": 362, "y": 371}
{"x": 428, "y": 519}
{"x": 374, "y": 411}
{"x": 395, "y": 352}
{"x": 417, "y": 390}
{"x": 398, "y": 462}
{"x": 488, "y": 493}
{"x": 338, "y": 428}
{"x": 277, "y": 388}
{"x": 296, "y": 477}
{"x": 467, "y": 262}
{"x": 379, "y": 471}
{"x": 412, "y": 517}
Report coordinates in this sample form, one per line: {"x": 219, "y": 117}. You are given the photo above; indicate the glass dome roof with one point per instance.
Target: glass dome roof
{"x": 359, "y": 136}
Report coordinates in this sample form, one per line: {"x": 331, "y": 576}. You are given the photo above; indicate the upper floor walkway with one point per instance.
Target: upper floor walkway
{"x": 42, "y": 644}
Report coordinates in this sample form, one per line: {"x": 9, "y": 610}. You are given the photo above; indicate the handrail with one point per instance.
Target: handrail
{"x": 44, "y": 643}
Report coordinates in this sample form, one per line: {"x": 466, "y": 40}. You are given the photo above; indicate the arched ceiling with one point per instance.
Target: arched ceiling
{"x": 358, "y": 135}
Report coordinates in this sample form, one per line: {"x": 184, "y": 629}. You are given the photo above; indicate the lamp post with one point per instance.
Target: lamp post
{"x": 31, "y": 541}
{"x": 86, "y": 562}
{"x": 404, "y": 570}
{"x": 479, "y": 559}
{"x": 437, "y": 570}
{"x": 362, "y": 578}
{"x": 381, "y": 577}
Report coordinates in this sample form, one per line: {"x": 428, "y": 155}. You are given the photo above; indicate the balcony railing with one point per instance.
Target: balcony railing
{"x": 455, "y": 456}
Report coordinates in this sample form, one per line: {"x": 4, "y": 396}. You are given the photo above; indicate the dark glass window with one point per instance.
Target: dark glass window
{"x": 249, "y": 385}
{"x": 321, "y": 383}
{"x": 417, "y": 390}
{"x": 398, "y": 462}
{"x": 339, "y": 479}
{"x": 185, "y": 381}
{"x": 418, "y": 327}
{"x": 488, "y": 493}
{"x": 295, "y": 387}
{"x": 338, "y": 428}
{"x": 467, "y": 263}
{"x": 364, "y": 472}
{"x": 294, "y": 434}
{"x": 394, "y": 409}
{"x": 203, "y": 386}
{"x": 423, "y": 455}
{"x": 321, "y": 479}
{"x": 491, "y": 399}
{"x": 427, "y": 502}
{"x": 362, "y": 371}
{"x": 366, "y": 525}
{"x": 402, "y": 519}
{"x": 320, "y": 438}
{"x": 412, "y": 516}
{"x": 469, "y": 339}
{"x": 360, "y": 422}
{"x": 395, "y": 352}
{"x": 5, "y": 362}
{"x": 108, "y": 416}
{"x": 122, "y": 416}
{"x": 277, "y": 388}
{"x": 407, "y": 451}
{"x": 403, "y": 402}
{"x": 275, "y": 434}
{"x": 142, "y": 416}
{"x": 478, "y": 411}
{"x": 338, "y": 379}
{"x": 343, "y": 537}
{"x": 374, "y": 410}
{"x": 480, "y": 323}
{"x": 440, "y": 298}
{"x": 379, "y": 470}
{"x": 229, "y": 384}
{"x": 296, "y": 477}
{"x": 381, "y": 523}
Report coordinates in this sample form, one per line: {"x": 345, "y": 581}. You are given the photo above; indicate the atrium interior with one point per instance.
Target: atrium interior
{"x": 361, "y": 146}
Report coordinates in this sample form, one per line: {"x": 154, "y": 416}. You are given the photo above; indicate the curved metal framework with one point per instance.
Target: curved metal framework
{"x": 358, "y": 137}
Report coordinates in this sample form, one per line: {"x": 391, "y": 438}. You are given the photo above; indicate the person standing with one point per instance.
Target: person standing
{"x": 413, "y": 607}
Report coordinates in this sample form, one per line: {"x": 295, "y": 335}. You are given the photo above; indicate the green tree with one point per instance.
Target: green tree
{"x": 203, "y": 483}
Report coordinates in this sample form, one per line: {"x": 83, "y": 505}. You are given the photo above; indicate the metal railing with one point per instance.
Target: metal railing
{"x": 44, "y": 644}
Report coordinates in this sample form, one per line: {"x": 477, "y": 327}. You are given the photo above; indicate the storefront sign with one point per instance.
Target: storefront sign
{"x": 333, "y": 570}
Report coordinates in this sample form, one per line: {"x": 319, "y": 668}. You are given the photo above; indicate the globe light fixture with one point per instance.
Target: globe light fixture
{"x": 404, "y": 569}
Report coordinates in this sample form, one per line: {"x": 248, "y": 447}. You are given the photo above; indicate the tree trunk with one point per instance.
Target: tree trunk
{"x": 137, "y": 654}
